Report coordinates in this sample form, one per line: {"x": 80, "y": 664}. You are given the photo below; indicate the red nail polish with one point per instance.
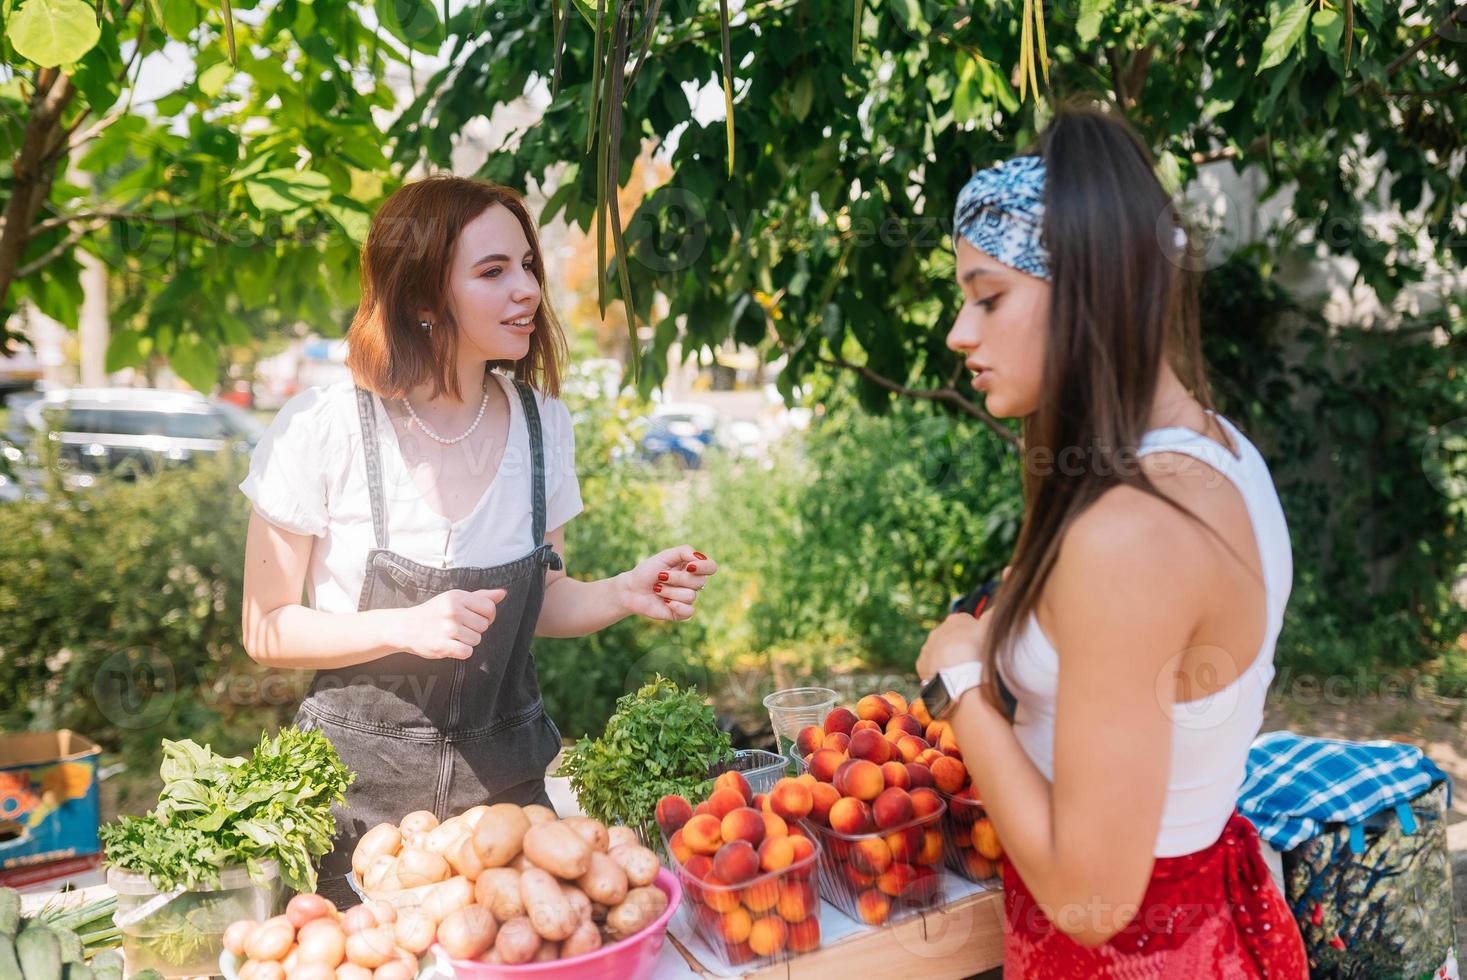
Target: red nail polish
{"x": 667, "y": 600}
{"x": 700, "y": 556}
{"x": 662, "y": 576}
{"x": 657, "y": 588}
{"x": 692, "y": 569}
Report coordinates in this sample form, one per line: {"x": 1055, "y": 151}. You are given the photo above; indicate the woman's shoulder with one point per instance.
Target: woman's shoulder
{"x": 318, "y": 411}
{"x": 1128, "y": 532}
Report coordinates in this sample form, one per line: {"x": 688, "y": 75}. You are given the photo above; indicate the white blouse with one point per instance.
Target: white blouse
{"x": 308, "y": 475}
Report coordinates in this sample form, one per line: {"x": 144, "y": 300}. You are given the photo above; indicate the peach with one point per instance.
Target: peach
{"x": 871, "y": 855}
{"x": 823, "y": 797}
{"x": 962, "y": 834}
{"x": 725, "y": 800}
{"x": 925, "y": 802}
{"x": 859, "y": 879}
{"x": 762, "y": 895}
{"x": 931, "y": 852}
{"x": 873, "y": 907}
{"x": 708, "y": 919}
{"x": 736, "y": 862}
{"x": 796, "y": 900}
{"x": 928, "y": 756}
{"x": 791, "y": 799}
{"x": 733, "y": 779}
{"x": 804, "y": 847}
{"x": 871, "y": 746}
{"x": 918, "y": 708}
{"x": 866, "y": 725}
{"x": 745, "y": 823}
{"x": 809, "y": 739}
{"x": 906, "y": 844}
{"x": 934, "y": 730}
{"x": 895, "y": 879}
{"x": 699, "y": 866}
{"x": 863, "y": 780}
{"x": 874, "y": 708}
{"x": 923, "y": 888}
{"x": 739, "y": 954}
{"x": 920, "y": 775}
{"x": 850, "y": 816}
{"x": 904, "y": 724}
{"x": 910, "y": 747}
{"x": 949, "y": 774}
{"x": 890, "y": 809}
{"x": 776, "y": 853}
{"x": 679, "y": 847}
{"x": 806, "y": 778}
{"x": 765, "y": 805}
{"x": 824, "y": 763}
{"x": 672, "y": 812}
{"x": 703, "y": 834}
{"x": 897, "y": 702}
{"x": 978, "y": 867}
{"x": 702, "y": 808}
{"x": 733, "y": 927}
{"x": 719, "y": 896}
{"x": 759, "y": 802}
{"x": 774, "y": 826}
{"x": 839, "y": 741}
{"x": 768, "y": 935}
{"x": 895, "y": 774}
{"x": 985, "y": 839}
{"x": 804, "y": 936}
{"x": 839, "y": 720}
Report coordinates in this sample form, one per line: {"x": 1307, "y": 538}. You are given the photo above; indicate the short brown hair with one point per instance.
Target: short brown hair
{"x": 405, "y": 268}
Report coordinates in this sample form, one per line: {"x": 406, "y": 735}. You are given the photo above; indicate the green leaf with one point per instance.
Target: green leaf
{"x": 195, "y": 362}
{"x": 803, "y": 98}
{"x": 1327, "y": 26}
{"x": 213, "y": 78}
{"x": 288, "y": 190}
{"x": 53, "y": 32}
{"x": 127, "y": 348}
{"x": 1087, "y": 27}
{"x": 1374, "y": 11}
{"x": 181, "y": 18}
{"x": 1286, "y": 22}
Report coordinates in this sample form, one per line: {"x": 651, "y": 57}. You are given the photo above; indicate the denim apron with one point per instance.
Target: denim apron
{"x": 438, "y": 735}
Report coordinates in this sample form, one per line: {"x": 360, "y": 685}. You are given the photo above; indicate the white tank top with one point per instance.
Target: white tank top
{"x": 1211, "y": 735}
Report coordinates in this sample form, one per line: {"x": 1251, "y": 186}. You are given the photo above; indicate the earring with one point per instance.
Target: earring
{"x": 426, "y": 325}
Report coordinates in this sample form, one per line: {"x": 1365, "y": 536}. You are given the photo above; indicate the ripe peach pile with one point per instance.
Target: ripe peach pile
{"x": 878, "y": 770}
{"x": 973, "y": 846}
{"x": 747, "y": 867}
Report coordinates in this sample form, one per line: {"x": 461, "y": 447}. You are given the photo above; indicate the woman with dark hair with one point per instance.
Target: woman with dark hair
{"x": 1135, "y": 628}
{"x": 422, "y": 507}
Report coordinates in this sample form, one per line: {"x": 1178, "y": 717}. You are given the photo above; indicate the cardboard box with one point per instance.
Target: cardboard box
{"x": 50, "y": 806}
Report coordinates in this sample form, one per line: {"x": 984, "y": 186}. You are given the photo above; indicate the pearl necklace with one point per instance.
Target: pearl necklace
{"x": 483, "y": 404}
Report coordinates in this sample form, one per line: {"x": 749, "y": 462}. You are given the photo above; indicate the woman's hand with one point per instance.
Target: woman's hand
{"x": 449, "y": 625}
{"x": 958, "y": 639}
{"x": 666, "y": 585}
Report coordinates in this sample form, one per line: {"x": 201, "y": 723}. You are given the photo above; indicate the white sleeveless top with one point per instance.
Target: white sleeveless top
{"x": 1211, "y": 735}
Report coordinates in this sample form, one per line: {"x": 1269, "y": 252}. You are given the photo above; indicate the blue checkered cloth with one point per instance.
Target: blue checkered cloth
{"x": 1296, "y": 784}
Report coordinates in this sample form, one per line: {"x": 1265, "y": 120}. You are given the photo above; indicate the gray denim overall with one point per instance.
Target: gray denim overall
{"x": 439, "y": 735}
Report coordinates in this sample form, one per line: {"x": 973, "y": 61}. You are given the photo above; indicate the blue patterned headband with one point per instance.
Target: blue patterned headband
{"x": 1001, "y": 211}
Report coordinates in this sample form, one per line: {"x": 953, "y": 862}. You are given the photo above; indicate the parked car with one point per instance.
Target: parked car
{"x": 125, "y": 430}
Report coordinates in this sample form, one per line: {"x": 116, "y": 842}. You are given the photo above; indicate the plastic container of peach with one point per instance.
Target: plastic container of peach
{"x": 765, "y": 919}
{"x": 886, "y": 875}
{"x": 971, "y": 845}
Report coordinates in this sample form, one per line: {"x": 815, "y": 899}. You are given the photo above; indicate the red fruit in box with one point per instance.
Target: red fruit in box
{"x": 703, "y": 807}
{"x": 910, "y": 747}
{"x": 931, "y": 848}
{"x": 758, "y": 803}
{"x": 871, "y": 746}
{"x": 861, "y": 779}
{"x": 985, "y": 839}
{"x": 850, "y": 816}
{"x": 874, "y": 708}
{"x": 723, "y": 801}
{"x": 906, "y": 844}
{"x": 918, "y": 708}
{"x": 925, "y": 802}
{"x": 791, "y": 799}
{"x": 824, "y": 763}
{"x": 797, "y": 900}
{"x": 762, "y": 895}
{"x": 840, "y": 720}
{"x": 776, "y": 853}
{"x": 809, "y": 739}
{"x": 736, "y": 862}
{"x": 703, "y": 834}
{"x": 865, "y": 725}
{"x": 935, "y": 729}
{"x": 804, "y": 936}
{"x": 744, "y": 823}
{"x": 739, "y": 954}
{"x": 768, "y": 935}
{"x": 839, "y": 741}
{"x": 734, "y": 780}
{"x": 679, "y": 847}
{"x": 897, "y": 702}
{"x": 873, "y": 907}
{"x": 977, "y": 866}
{"x": 949, "y": 774}
{"x": 871, "y": 855}
{"x": 920, "y": 775}
{"x": 672, "y": 812}
{"x": 719, "y": 896}
{"x": 891, "y": 808}
{"x": 733, "y": 927}
{"x": 804, "y": 847}
{"x": 904, "y": 724}
{"x": 895, "y": 879}
{"x": 895, "y": 774}
{"x": 823, "y": 797}
{"x": 774, "y": 825}
{"x": 859, "y": 879}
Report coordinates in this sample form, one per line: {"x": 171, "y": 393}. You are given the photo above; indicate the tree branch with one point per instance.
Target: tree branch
{"x": 56, "y": 251}
{"x": 1458, "y": 14}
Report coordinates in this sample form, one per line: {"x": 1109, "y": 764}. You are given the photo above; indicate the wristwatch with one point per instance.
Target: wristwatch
{"x": 942, "y": 693}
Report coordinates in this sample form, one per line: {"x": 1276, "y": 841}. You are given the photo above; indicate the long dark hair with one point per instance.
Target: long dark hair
{"x": 1122, "y": 303}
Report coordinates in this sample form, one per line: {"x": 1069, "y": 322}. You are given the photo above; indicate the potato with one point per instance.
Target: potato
{"x": 370, "y": 948}
{"x": 292, "y": 960}
{"x": 558, "y": 849}
{"x": 417, "y": 822}
{"x": 384, "y": 912}
{"x": 492, "y": 957}
{"x": 640, "y": 908}
{"x": 463, "y": 857}
{"x": 586, "y": 939}
{"x": 357, "y": 918}
{"x": 579, "y": 903}
{"x": 447, "y": 897}
{"x": 593, "y": 832}
{"x": 272, "y": 940}
{"x": 311, "y": 971}
{"x": 395, "y": 970}
{"x": 325, "y": 943}
{"x": 547, "y": 952}
{"x": 640, "y": 864}
{"x": 441, "y": 839}
{"x": 621, "y": 835}
{"x": 467, "y": 932}
{"x": 236, "y": 934}
{"x": 549, "y": 911}
{"x": 498, "y": 889}
{"x": 606, "y": 882}
{"x": 521, "y": 862}
{"x": 303, "y": 908}
{"x": 381, "y": 874}
{"x": 500, "y": 834}
{"x": 414, "y": 931}
{"x": 261, "y": 970}
{"x": 473, "y": 815}
{"x": 350, "y": 971}
{"x": 381, "y": 839}
{"x": 517, "y": 942}
{"x": 420, "y": 867}
{"x": 538, "y": 814}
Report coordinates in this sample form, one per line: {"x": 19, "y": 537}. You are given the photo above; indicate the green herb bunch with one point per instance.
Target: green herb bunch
{"x": 216, "y": 811}
{"x": 660, "y": 740}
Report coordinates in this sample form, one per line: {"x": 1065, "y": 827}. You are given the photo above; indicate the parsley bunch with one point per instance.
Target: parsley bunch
{"x": 660, "y": 740}
{"x": 216, "y": 811}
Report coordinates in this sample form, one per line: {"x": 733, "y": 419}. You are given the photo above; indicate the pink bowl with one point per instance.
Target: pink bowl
{"x": 632, "y": 958}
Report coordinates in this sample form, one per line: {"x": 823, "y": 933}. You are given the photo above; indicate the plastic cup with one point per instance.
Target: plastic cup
{"x": 794, "y": 708}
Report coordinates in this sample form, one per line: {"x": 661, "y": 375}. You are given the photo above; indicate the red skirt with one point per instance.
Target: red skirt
{"x": 1213, "y": 914}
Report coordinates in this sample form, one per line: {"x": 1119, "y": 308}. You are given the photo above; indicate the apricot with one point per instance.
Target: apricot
{"x": 725, "y": 800}
{"x": 919, "y": 775}
{"x": 768, "y": 935}
{"x": 923, "y": 888}
{"x": 774, "y": 826}
{"x": 874, "y": 708}
{"x": 934, "y": 730}
{"x": 861, "y": 779}
{"x": 840, "y": 720}
{"x": 892, "y": 808}
{"x": 739, "y": 954}
{"x": 762, "y": 895}
{"x": 736, "y": 862}
{"x": 949, "y": 774}
{"x": 824, "y": 763}
{"x": 809, "y": 739}
{"x": 866, "y": 725}
{"x": 925, "y": 802}
{"x": 672, "y": 812}
{"x": 910, "y": 747}
{"x": 759, "y": 802}
{"x": 906, "y": 844}
{"x": 796, "y": 900}
{"x": 806, "y": 778}
{"x": 931, "y": 852}
{"x": 895, "y": 774}
{"x": 700, "y": 866}
{"x": 850, "y": 816}
{"x": 734, "y": 926}
{"x": 871, "y": 855}
{"x": 859, "y": 879}
{"x": 776, "y": 853}
{"x": 718, "y": 896}
{"x": 839, "y": 741}
{"x": 745, "y": 824}
{"x": 897, "y": 702}
{"x": 804, "y": 847}
{"x": 977, "y": 867}
{"x": 928, "y": 756}
{"x": 804, "y": 936}
{"x": 873, "y": 907}
{"x": 734, "y": 780}
{"x": 904, "y": 724}
{"x": 985, "y": 839}
{"x": 822, "y": 798}
{"x": 918, "y": 708}
{"x": 895, "y": 879}
{"x": 871, "y": 746}
{"x": 679, "y": 847}
{"x": 791, "y": 799}
{"x": 703, "y": 834}
{"x": 701, "y": 808}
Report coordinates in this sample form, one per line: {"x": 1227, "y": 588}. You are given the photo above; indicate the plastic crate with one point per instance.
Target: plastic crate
{"x": 886, "y": 875}
{"x": 761, "y": 769}
{"x": 971, "y": 846}
{"x": 731, "y": 919}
